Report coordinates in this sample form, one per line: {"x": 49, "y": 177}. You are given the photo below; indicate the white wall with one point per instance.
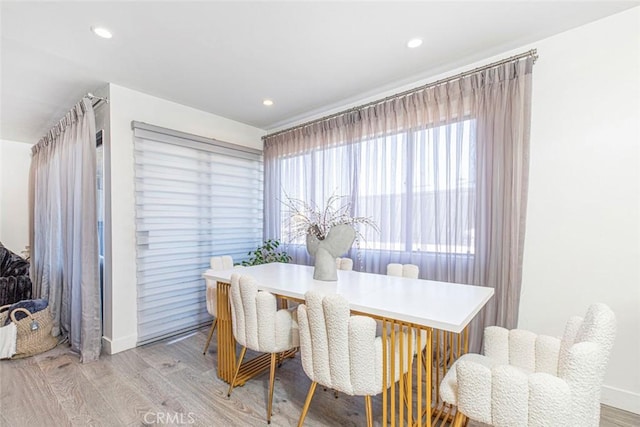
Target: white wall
{"x": 15, "y": 159}
{"x": 583, "y": 227}
{"x": 120, "y": 332}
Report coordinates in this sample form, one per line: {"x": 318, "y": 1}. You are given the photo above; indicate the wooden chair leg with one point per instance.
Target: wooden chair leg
{"x": 272, "y": 377}
{"x": 233, "y": 383}
{"x": 213, "y": 327}
{"x": 307, "y": 402}
{"x": 368, "y": 410}
{"x": 459, "y": 419}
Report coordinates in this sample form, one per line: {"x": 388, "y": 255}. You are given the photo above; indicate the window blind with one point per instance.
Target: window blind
{"x": 195, "y": 197}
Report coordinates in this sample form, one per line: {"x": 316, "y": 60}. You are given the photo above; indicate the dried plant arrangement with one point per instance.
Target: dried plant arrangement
{"x": 308, "y": 218}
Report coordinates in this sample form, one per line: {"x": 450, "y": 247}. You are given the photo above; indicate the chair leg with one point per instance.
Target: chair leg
{"x": 272, "y": 377}
{"x": 233, "y": 383}
{"x": 213, "y": 327}
{"x": 307, "y": 402}
{"x": 368, "y": 410}
{"x": 459, "y": 419}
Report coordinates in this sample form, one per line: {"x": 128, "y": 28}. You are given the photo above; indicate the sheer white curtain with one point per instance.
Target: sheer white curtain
{"x": 442, "y": 171}
{"x": 64, "y": 227}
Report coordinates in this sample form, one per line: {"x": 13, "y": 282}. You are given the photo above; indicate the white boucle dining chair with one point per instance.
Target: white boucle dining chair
{"x": 525, "y": 379}
{"x": 403, "y": 270}
{"x": 259, "y": 326}
{"x": 224, "y": 262}
{"x": 344, "y": 264}
{"x": 341, "y": 351}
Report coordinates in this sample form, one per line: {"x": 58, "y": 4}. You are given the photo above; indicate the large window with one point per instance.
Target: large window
{"x": 442, "y": 169}
{"x": 419, "y": 186}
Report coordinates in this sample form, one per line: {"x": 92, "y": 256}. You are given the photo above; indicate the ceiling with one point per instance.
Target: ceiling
{"x": 226, "y": 57}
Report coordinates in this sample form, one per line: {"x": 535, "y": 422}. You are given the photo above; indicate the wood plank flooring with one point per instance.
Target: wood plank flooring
{"x": 172, "y": 383}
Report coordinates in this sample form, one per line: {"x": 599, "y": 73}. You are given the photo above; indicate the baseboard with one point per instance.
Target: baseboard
{"x": 621, "y": 399}
{"x": 121, "y": 344}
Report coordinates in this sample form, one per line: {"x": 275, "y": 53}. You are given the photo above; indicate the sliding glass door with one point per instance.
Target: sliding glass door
{"x": 195, "y": 198}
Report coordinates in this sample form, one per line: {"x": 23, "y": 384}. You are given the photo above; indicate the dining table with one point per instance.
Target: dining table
{"x": 436, "y": 316}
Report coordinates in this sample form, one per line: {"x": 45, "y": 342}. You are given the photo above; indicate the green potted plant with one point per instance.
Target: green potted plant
{"x": 266, "y": 253}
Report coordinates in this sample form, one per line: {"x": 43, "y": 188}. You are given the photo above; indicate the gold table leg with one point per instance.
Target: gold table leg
{"x": 226, "y": 341}
{"x": 427, "y": 354}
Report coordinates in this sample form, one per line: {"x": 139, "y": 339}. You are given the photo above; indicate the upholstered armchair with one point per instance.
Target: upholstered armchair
{"x": 341, "y": 351}
{"x": 403, "y": 270}
{"x": 259, "y": 325}
{"x": 224, "y": 262}
{"x": 525, "y": 379}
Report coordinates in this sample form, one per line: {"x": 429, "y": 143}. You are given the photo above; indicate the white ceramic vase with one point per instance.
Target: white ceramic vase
{"x": 338, "y": 241}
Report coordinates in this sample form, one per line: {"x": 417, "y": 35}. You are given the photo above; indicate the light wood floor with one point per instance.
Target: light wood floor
{"x": 170, "y": 383}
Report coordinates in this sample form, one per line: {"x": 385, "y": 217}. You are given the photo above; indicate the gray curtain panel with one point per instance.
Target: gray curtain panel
{"x": 442, "y": 171}
{"x": 64, "y": 229}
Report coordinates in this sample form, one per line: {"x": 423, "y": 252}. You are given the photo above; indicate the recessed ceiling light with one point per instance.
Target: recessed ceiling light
{"x": 267, "y": 102}
{"x": 102, "y": 32}
{"x": 414, "y": 43}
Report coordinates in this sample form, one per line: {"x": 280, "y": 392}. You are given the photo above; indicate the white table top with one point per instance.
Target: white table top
{"x": 440, "y": 305}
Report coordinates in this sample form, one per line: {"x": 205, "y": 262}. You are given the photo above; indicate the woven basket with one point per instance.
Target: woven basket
{"x": 32, "y": 340}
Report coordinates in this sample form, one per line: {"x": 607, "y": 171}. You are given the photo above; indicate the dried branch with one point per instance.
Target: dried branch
{"x": 307, "y": 218}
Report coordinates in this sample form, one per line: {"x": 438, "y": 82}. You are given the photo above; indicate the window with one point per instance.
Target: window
{"x": 443, "y": 189}
{"x": 441, "y": 168}
{"x": 418, "y": 186}
{"x": 195, "y": 198}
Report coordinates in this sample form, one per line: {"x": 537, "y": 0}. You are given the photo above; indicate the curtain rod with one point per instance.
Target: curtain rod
{"x": 63, "y": 122}
{"x": 532, "y": 52}
{"x": 98, "y": 99}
